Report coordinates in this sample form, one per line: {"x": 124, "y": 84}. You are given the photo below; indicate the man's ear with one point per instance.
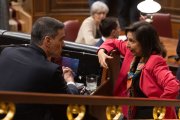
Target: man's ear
{"x": 113, "y": 33}
{"x": 47, "y": 41}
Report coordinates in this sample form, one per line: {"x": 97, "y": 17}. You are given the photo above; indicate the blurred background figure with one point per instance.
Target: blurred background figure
{"x": 109, "y": 29}
{"x": 4, "y": 14}
{"x": 89, "y": 32}
{"x": 112, "y": 10}
{"x": 127, "y": 12}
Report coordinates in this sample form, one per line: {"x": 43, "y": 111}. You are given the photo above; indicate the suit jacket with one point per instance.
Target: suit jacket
{"x": 27, "y": 69}
{"x": 156, "y": 80}
{"x": 87, "y": 32}
{"x": 178, "y": 74}
{"x": 99, "y": 42}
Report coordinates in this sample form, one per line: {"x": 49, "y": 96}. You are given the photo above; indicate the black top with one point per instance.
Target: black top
{"x": 141, "y": 112}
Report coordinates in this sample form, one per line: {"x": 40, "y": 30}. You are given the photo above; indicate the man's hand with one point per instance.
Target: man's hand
{"x": 102, "y": 58}
{"x": 68, "y": 74}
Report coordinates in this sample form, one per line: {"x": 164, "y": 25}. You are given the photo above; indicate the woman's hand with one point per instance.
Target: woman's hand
{"x": 102, "y": 58}
{"x": 68, "y": 74}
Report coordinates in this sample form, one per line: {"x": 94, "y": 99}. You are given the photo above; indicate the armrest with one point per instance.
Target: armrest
{"x": 175, "y": 57}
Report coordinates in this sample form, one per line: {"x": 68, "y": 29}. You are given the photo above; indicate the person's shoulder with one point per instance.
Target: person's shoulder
{"x": 99, "y": 42}
{"x": 116, "y": 40}
{"x": 10, "y": 50}
{"x": 155, "y": 60}
{"x": 88, "y": 20}
{"x": 155, "y": 57}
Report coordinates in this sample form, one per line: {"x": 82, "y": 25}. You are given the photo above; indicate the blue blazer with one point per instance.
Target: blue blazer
{"x": 99, "y": 42}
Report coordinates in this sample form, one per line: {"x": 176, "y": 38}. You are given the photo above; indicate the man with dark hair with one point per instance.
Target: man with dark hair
{"x": 109, "y": 29}
{"x": 28, "y": 69}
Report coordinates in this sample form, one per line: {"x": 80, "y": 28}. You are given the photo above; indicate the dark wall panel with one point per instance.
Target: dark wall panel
{"x": 79, "y": 9}
{"x": 61, "y": 9}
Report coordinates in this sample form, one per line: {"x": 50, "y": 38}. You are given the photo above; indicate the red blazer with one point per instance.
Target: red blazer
{"x": 156, "y": 80}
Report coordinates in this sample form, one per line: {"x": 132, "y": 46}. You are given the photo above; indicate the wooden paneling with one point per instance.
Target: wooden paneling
{"x": 61, "y": 9}
{"x": 175, "y": 28}
{"x": 68, "y": 6}
{"x": 79, "y": 9}
{"x": 172, "y": 7}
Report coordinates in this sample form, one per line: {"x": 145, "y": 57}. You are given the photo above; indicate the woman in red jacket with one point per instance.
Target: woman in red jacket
{"x": 144, "y": 72}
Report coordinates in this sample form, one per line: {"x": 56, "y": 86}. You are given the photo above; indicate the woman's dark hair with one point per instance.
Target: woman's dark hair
{"x": 148, "y": 38}
{"x": 45, "y": 26}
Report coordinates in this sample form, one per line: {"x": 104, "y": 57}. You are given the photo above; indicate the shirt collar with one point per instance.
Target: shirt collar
{"x": 103, "y": 38}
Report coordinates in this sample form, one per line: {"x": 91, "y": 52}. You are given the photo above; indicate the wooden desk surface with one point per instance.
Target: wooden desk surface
{"x": 170, "y": 45}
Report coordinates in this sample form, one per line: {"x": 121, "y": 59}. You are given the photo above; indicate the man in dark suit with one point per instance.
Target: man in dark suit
{"x": 29, "y": 69}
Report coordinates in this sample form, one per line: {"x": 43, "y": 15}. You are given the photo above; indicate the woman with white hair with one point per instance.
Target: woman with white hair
{"x": 89, "y": 31}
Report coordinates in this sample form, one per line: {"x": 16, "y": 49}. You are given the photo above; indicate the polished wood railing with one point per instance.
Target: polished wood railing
{"x": 78, "y": 103}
